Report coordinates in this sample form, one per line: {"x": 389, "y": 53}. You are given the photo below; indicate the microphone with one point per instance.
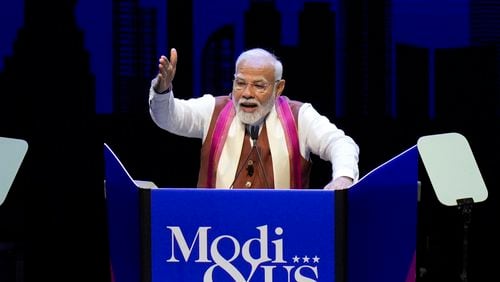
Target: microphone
{"x": 254, "y": 134}
{"x": 253, "y": 131}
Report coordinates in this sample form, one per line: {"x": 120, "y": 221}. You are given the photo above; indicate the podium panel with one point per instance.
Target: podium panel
{"x": 194, "y": 234}
{"x": 241, "y": 235}
{"x": 382, "y": 222}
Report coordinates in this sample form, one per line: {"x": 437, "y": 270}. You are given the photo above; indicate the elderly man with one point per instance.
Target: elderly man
{"x": 254, "y": 137}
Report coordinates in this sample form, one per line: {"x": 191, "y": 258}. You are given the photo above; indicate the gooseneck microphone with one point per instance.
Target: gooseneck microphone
{"x": 249, "y": 168}
{"x": 253, "y": 131}
{"x": 254, "y": 134}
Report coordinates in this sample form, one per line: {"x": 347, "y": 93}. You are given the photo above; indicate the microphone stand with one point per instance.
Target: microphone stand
{"x": 465, "y": 207}
{"x": 254, "y": 134}
{"x": 242, "y": 166}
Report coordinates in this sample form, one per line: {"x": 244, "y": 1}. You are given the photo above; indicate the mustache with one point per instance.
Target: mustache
{"x": 248, "y": 102}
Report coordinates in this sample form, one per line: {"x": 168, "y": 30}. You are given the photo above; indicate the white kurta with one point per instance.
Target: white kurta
{"x": 317, "y": 135}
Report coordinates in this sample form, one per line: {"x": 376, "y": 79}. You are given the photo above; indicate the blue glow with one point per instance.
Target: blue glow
{"x": 431, "y": 23}
{"x": 424, "y": 23}
{"x": 94, "y": 18}
{"x": 11, "y": 19}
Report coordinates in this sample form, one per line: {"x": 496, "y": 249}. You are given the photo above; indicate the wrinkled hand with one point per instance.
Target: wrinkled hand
{"x": 166, "y": 71}
{"x": 340, "y": 183}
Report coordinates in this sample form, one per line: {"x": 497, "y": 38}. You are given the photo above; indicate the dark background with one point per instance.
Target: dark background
{"x": 348, "y": 60}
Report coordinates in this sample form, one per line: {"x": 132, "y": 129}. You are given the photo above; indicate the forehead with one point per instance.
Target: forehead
{"x": 255, "y": 68}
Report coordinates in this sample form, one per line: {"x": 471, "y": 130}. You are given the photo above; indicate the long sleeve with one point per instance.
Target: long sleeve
{"x": 321, "y": 137}
{"x": 189, "y": 118}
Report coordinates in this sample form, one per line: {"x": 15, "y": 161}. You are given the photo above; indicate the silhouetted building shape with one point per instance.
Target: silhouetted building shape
{"x": 263, "y": 26}
{"x": 180, "y": 36}
{"x": 465, "y": 84}
{"x": 485, "y": 20}
{"x": 291, "y": 71}
{"x": 364, "y": 25}
{"x": 485, "y": 31}
{"x": 134, "y": 43}
{"x": 148, "y": 55}
{"x": 56, "y": 202}
{"x": 316, "y": 62}
{"x": 412, "y": 84}
{"x": 217, "y": 68}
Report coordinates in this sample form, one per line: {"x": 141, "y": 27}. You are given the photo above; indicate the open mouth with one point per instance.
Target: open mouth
{"x": 248, "y": 106}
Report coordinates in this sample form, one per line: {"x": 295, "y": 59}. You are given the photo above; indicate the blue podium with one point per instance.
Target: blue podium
{"x": 194, "y": 234}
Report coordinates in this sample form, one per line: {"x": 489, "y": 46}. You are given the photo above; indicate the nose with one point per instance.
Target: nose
{"x": 247, "y": 92}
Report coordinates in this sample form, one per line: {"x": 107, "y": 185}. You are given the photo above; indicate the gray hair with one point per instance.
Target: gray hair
{"x": 261, "y": 53}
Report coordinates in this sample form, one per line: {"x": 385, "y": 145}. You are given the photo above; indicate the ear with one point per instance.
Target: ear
{"x": 280, "y": 87}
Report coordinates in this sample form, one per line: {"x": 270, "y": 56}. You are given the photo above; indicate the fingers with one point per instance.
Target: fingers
{"x": 173, "y": 57}
{"x": 340, "y": 183}
{"x": 166, "y": 71}
{"x": 167, "y": 67}
{"x": 163, "y": 66}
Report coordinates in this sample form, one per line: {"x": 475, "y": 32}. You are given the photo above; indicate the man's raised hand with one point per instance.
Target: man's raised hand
{"x": 166, "y": 72}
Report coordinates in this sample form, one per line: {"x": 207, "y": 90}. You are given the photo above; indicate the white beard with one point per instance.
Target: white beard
{"x": 257, "y": 116}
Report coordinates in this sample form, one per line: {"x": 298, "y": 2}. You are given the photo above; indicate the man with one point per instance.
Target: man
{"x": 254, "y": 137}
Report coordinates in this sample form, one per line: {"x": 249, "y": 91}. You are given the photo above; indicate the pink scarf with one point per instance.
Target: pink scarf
{"x": 292, "y": 140}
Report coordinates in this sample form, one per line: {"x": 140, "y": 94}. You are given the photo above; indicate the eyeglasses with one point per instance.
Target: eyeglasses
{"x": 259, "y": 87}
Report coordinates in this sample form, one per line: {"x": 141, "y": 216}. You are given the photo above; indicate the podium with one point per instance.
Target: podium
{"x": 194, "y": 234}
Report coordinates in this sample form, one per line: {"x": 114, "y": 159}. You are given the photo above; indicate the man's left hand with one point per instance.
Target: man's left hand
{"x": 339, "y": 183}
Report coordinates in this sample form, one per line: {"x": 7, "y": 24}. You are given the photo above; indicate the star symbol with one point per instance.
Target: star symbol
{"x": 316, "y": 259}
{"x": 305, "y": 259}
{"x": 296, "y": 259}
